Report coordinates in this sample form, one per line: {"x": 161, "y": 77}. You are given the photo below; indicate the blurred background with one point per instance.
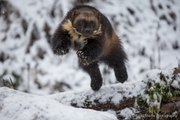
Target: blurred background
{"x": 149, "y": 30}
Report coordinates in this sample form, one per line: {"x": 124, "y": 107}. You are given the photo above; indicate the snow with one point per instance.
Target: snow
{"x": 147, "y": 38}
{"x": 150, "y": 33}
{"x": 127, "y": 113}
{"x": 16, "y": 105}
{"x": 117, "y": 93}
{"x": 154, "y": 76}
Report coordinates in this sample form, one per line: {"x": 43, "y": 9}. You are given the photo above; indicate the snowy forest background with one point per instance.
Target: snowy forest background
{"x": 149, "y": 30}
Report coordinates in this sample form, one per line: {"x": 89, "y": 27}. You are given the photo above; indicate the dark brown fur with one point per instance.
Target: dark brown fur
{"x": 90, "y": 33}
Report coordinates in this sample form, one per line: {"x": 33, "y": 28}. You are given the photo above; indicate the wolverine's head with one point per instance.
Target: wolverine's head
{"x": 83, "y": 25}
{"x": 86, "y": 24}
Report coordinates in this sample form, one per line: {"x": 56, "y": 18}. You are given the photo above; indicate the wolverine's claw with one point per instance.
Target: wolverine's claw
{"x": 83, "y": 58}
{"x": 61, "y": 51}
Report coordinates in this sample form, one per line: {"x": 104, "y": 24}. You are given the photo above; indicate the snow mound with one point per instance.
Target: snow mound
{"x": 16, "y": 105}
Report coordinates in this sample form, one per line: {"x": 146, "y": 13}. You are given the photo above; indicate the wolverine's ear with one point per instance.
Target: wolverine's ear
{"x": 72, "y": 14}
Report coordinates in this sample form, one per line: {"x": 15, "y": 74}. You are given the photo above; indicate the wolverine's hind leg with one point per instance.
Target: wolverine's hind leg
{"x": 120, "y": 72}
{"x": 117, "y": 62}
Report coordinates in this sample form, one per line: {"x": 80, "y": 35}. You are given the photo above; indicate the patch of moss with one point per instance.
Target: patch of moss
{"x": 157, "y": 93}
{"x": 8, "y": 82}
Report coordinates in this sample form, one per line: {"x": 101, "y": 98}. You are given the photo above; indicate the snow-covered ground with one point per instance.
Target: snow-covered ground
{"x": 16, "y": 105}
{"x": 149, "y": 30}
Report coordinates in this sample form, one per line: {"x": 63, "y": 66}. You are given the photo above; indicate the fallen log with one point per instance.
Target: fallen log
{"x": 120, "y": 96}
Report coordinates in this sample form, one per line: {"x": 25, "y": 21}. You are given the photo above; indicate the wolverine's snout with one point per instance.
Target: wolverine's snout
{"x": 88, "y": 31}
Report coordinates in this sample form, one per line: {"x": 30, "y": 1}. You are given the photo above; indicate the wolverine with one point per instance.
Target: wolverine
{"x": 87, "y": 31}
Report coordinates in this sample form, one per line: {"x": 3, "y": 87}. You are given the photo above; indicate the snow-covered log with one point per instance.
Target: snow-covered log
{"x": 121, "y": 96}
{"x": 108, "y": 97}
{"x": 115, "y": 94}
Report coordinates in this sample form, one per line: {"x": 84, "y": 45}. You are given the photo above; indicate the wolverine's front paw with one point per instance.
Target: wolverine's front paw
{"x": 83, "y": 58}
{"x": 61, "y": 51}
